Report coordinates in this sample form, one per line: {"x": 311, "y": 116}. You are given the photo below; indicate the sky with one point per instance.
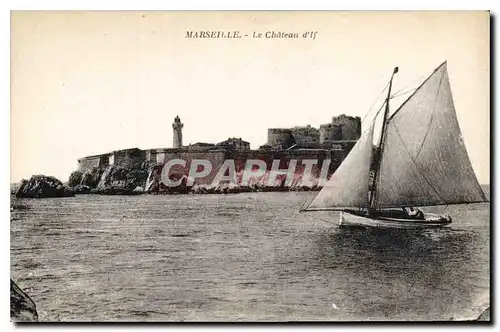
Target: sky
{"x": 85, "y": 83}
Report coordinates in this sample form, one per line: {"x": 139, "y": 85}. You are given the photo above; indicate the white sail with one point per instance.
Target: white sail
{"x": 348, "y": 186}
{"x": 424, "y": 160}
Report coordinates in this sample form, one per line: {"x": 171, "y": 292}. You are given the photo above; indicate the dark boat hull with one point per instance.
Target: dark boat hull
{"x": 430, "y": 220}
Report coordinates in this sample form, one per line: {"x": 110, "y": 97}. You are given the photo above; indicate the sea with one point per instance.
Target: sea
{"x": 241, "y": 258}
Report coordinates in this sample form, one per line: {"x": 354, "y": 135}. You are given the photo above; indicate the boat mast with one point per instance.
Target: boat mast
{"x": 378, "y": 154}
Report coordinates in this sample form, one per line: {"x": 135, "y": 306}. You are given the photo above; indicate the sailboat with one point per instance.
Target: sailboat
{"x": 420, "y": 160}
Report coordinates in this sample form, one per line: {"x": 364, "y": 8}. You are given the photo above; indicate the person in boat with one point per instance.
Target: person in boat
{"x": 413, "y": 213}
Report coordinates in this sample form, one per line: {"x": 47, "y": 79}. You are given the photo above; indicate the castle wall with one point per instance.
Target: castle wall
{"x": 329, "y": 132}
{"x": 233, "y": 144}
{"x": 88, "y": 163}
{"x": 285, "y": 157}
{"x": 350, "y": 126}
{"x": 218, "y": 159}
{"x": 313, "y": 150}
{"x": 129, "y": 158}
{"x": 279, "y": 137}
{"x": 215, "y": 158}
{"x": 200, "y": 147}
{"x": 124, "y": 158}
{"x": 305, "y": 135}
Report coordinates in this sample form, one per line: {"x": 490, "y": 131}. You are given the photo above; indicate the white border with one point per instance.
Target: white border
{"x": 6, "y": 6}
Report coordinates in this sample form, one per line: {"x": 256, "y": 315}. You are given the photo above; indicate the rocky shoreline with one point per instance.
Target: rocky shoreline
{"x": 117, "y": 180}
{"x": 42, "y": 186}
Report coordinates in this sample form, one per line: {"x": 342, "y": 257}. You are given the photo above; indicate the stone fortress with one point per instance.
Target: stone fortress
{"x": 341, "y": 133}
{"x": 335, "y": 139}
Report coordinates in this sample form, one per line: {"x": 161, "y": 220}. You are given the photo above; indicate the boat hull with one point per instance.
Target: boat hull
{"x": 430, "y": 220}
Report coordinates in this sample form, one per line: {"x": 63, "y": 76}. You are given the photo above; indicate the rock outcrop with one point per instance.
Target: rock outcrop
{"x": 116, "y": 180}
{"x": 22, "y": 307}
{"x": 14, "y": 187}
{"x": 42, "y": 186}
{"x": 110, "y": 180}
{"x": 138, "y": 190}
{"x": 146, "y": 178}
{"x": 81, "y": 189}
{"x": 92, "y": 177}
{"x": 75, "y": 178}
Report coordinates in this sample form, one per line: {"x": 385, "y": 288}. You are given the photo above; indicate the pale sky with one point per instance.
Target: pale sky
{"x": 86, "y": 83}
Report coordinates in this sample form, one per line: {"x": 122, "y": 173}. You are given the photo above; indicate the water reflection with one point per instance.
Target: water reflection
{"x": 411, "y": 273}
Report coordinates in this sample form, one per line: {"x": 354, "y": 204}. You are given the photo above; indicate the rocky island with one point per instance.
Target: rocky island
{"x": 297, "y": 158}
{"x": 42, "y": 186}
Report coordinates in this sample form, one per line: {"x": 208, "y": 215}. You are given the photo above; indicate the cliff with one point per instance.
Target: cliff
{"x": 110, "y": 180}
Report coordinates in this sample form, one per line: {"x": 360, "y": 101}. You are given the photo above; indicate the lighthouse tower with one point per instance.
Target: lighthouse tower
{"x": 177, "y": 125}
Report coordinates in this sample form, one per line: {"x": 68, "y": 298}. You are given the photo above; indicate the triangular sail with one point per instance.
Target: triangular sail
{"x": 348, "y": 186}
{"x": 424, "y": 161}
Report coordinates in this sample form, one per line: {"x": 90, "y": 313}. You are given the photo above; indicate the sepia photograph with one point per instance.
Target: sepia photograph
{"x": 250, "y": 166}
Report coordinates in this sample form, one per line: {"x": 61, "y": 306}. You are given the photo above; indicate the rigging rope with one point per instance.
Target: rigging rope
{"x": 381, "y": 108}
{"x": 413, "y": 83}
{"x": 402, "y": 93}
{"x": 375, "y": 101}
{"x": 398, "y": 93}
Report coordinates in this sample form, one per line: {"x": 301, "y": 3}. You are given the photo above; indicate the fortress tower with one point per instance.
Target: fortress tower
{"x": 177, "y": 125}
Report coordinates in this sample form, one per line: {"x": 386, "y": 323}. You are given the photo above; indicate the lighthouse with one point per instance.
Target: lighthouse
{"x": 177, "y": 126}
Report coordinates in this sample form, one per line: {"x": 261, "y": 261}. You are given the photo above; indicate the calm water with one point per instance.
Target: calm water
{"x": 241, "y": 257}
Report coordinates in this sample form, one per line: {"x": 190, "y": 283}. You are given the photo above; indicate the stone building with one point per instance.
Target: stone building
{"x": 200, "y": 146}
{"x": 280, "y": 138}
{"x": 126, "y": 158}
{"x": 339, "y": 137}
{"x": 342, "y": 130}
{"x": 329, "y": 133}
{"x": 233, "y": 144}
{"x": 305, "y": 135}
{"x": 350, "y": 127}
